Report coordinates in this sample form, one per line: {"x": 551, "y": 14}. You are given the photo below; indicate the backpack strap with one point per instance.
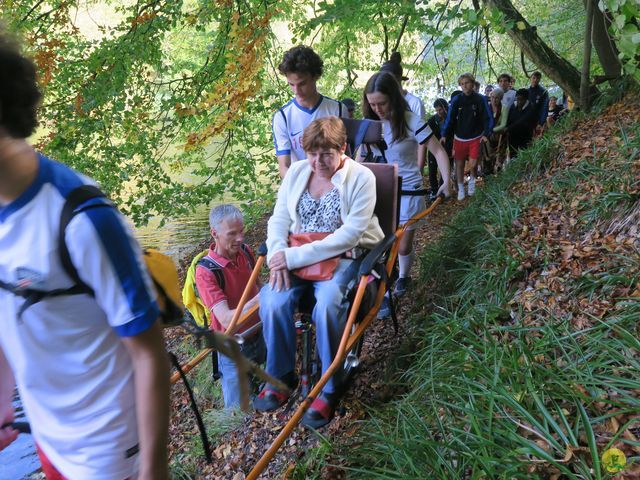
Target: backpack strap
{"x": 75, "y": 199}
{"x": 214, "y": 267}
{"x": 249, "y": 254}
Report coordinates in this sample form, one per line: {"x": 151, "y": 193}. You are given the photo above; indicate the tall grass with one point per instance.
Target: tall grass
{"x": 490, "y": 395}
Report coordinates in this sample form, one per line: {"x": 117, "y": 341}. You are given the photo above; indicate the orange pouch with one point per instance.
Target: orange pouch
{"x": 316, "y": 271}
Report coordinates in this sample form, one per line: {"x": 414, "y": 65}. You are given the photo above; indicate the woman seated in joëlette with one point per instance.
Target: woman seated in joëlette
{"x": 330, "y": 198}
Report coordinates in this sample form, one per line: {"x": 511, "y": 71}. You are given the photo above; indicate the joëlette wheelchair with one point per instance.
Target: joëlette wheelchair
{"x": 374, "y": 279}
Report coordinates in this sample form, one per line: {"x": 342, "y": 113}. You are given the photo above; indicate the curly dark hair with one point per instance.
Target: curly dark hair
{"x": 19, "y": 92}
{"x": 301, "y": 59}
{"x": 387, "y": 84}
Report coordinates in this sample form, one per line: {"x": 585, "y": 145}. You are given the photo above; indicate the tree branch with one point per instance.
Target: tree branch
{"x": 402, "y": 29}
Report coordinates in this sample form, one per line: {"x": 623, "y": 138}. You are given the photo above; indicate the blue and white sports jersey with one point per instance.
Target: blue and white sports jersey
{"x": 290, "y": 121}
{"x": 73, "y": 372}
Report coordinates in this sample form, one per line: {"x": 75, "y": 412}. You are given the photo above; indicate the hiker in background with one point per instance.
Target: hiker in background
{"x": 554, "y": 112}
{"x": 403, "y": 132}
{"x": 394, "y": 66}
{"x": 509, "y": 96}
{"x": 351, "y": 107}
{"x": 488, "y": 89}
{"x": 302, "y": 68}
{"x": 435, "y": 123}
{"x": 539, "y": 100}
{"x": 469, "y": 122}
{"x": 476, "y": 86}
{"x": 329, "y": 199}
{"x": 496, "y": 148}
{"x": 521, "y": 122}
{"x": 90, "y": 364}
{"x": 221, "y": 277}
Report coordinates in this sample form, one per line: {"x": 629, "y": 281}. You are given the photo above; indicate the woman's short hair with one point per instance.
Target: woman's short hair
{"x": 327, "y": 132}
{"x": 19, "y": 92}
{"x": 386, "y": 83}
{"x": 497, "y": 92}
{"x": 301, "y": 59}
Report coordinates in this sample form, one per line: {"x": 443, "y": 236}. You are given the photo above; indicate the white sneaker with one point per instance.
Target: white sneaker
{"x": 461, "y": 194}
{"x": 471, "y": 187}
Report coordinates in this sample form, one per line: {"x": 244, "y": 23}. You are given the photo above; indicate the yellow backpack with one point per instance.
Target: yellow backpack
{"x": 196, "y": 309}
{"x": 165, "y": 280}
{"x": 190, "y": 298}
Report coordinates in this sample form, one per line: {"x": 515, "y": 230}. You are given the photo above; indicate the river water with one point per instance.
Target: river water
{"x": 175, "y": 238}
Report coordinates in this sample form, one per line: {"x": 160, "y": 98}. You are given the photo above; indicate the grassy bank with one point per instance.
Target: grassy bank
{"x": 529, "y": 365}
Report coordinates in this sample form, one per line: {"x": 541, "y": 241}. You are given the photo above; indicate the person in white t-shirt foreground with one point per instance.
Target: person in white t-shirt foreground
{"x": 90, "y": 364}
{"x": 403, "y": 131}
{"x": 302, "y": 68}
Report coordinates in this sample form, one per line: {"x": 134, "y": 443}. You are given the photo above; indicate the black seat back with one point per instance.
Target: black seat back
{"x": 388, "y": 186}
{"x": 368, "y": 132}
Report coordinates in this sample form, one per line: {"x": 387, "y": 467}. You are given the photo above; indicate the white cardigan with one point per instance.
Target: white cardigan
{"x": 360, "y": 227}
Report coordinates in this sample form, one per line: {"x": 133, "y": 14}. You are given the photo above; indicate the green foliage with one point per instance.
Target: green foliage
{"x": 168, "y": 104}
{"x": 625, "y": 29}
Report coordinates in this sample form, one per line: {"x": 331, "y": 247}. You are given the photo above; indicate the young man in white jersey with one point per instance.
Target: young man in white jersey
{"x": 89, "y": 362}
{"x": 302, "y": 68}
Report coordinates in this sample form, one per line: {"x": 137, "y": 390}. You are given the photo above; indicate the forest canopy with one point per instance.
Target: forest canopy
{"x": 168, "y": 104}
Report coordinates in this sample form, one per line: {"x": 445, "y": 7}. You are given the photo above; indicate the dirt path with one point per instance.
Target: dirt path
{"x": 238, "y": 451}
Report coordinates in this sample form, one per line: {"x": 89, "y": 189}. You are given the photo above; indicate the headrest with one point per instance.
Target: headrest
{"x": 363, "y": 131}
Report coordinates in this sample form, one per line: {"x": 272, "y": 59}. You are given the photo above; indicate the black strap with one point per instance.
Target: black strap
{"x": 194, "y": 406}
{"x": 215, "y": 368}
{"x": 74, "y": 200}
{"x": 247, "y": 253}
{"x": 33, "y": 296}
{"x": 214, "y": 267}
{"x": 415, "y": 193}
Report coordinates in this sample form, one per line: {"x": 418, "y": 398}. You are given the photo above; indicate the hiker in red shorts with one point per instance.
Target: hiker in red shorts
{"x": 469, "y": 121}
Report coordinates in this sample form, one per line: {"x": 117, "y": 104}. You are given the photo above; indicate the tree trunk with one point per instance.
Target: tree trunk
{"x": 556, "y": 67}
{"x": 604, "y": 45}
{"x": 585, "y": 102}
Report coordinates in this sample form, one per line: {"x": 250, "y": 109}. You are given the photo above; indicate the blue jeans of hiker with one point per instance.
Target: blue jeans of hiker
{"x": 253, "y": 348}
{"x": 329, "y": 316}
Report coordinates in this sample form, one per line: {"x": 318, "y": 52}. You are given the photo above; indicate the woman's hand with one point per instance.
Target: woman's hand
{"x": 278, "y": 261}
{"x": 279, "y": 280}
{"x": 279, "y": 277}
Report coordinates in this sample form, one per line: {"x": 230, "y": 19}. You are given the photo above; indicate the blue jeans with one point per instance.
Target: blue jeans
{"x": 253, "y": 348}
{"x": 329, "y": 316}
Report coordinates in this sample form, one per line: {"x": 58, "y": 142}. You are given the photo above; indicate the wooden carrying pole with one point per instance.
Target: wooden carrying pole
{"x": 235, "y": 321}
{"x": 347, "y": 341}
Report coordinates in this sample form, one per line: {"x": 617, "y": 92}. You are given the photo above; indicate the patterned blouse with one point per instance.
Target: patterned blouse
{"x": 322, "y": 215}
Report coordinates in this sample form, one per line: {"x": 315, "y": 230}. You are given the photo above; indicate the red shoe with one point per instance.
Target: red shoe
{"x": 320, "y": 412}
{"x": 269, "y": 399}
